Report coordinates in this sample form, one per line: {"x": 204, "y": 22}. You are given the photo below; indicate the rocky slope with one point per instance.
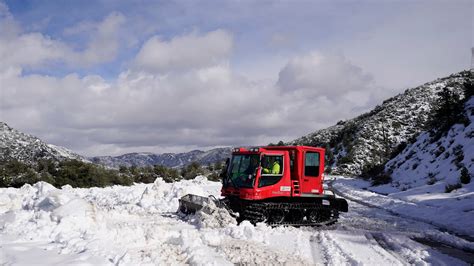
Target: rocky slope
{"x": 371, "y": 139}
{"x": 166, "y": 159}
{"x": 29, "y": 149}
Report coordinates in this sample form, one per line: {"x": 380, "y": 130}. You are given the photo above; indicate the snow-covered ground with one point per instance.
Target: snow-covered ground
{"x": 133, "y": 225}
{"x": 451, "y": 211}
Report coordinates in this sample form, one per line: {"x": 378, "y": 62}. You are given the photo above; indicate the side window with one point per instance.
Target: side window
{"x": 311, "y": 164}
{"x": 272, "y": 165}
{"x": 272, "y": 170}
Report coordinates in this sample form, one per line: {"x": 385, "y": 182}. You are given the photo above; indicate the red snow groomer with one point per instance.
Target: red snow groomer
{"x": 276, "y": 185}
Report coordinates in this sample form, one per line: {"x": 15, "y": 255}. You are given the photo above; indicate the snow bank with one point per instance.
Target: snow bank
{"x": 122, "y": 225}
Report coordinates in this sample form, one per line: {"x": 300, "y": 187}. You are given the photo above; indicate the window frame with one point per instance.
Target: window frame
{"x": 318, "y": 166}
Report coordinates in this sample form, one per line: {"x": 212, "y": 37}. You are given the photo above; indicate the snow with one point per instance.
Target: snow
{"x": 454, "y": 211}
{"x": 420, "y": 174}
{"x": 437, "y": 161}
{"x": 40, "y": 224}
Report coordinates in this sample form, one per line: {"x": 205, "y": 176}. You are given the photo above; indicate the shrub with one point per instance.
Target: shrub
{"x": 465, "y": 177}
{"x": 447, "y": 111}
{"x": 168, "y": 174}
{"x": 431, "y": 181}
{"x": 431, "y": 178}
{"x": 398, "y": 149}
{"x": 381, "y": 179}
{"x": 73, "y": 172}
{"x": 345, "y": 160}
{"x": 214, "y": 177}
{"x": 372, "y": 170}
{"x": 192, "y": 170}
{"x": 440, "y": 150}
{"x": 450, "y": 187}
{"x": 15, "y": 173}
{"x": 146, "y": 178}
{"x": 458, "y": 155}
{"x": 376, "y": 173}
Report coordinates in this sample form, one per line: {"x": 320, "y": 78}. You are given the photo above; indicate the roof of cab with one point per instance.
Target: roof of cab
{"x": 297, "y": 147}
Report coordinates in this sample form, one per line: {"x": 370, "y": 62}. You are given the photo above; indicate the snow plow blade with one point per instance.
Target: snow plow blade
{"x": 190, "y": 204}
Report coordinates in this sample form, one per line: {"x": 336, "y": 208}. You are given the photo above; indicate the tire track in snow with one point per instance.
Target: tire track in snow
{"x": 379, "y": 238}
{"x": 318, "y": 252}
{"x": 438, "y": 226}
{"x": 465, "y": 253}
{"x": 338, "y": 256}
{"x": 243, "y": 252}
{"x": 413, "y": 252}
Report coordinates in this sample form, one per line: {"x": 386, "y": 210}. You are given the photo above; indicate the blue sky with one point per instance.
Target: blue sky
{"x": 106, "y": 75}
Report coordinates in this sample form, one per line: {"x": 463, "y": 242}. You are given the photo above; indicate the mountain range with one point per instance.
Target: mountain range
{"x": 174, "y": 160}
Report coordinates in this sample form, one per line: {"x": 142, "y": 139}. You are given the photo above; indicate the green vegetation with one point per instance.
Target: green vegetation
{"x": 14, "y": 173}
{"x": 192, "y": 170}
{"x": 450, "y": 187}
{"x": 465, "y": 177}
{"x": 376, "y": 173}
{"x": 73, "y": 172}
{"x": 449, "y": 109}
{"x": 216, "y": 171}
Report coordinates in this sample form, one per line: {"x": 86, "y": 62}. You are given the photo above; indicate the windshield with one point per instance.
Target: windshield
{"x": 242, "y": 170}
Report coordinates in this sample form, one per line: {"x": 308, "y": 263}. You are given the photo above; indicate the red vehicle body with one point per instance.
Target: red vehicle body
{"x": 292, "y": 194}
{"x": 293, "y": 182}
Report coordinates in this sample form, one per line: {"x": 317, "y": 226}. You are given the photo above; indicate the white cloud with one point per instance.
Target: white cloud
{"x": 34, "y": 49}
{"x": 25, "y": 49}
{"x": 104, "y": 43}
{"x": 203, "y": 107}
{"x": 184, "y": 52}
{"x": 31, "y": 50}
{"x": 317, "y": 75}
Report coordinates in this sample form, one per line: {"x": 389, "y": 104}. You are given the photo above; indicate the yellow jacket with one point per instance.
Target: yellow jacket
{"x": 275, "y": 169}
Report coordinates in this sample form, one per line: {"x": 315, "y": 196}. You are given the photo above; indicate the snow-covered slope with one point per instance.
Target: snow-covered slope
{"x": 166, "y": 159}
{"x": 369, "y": 139}
{"x": 29, "y": 149}
{"x": 420, "y": 175}
{"x": 431, "y": 165}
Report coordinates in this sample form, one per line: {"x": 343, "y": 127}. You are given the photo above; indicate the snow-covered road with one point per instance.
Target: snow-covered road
{"x": 137, "y": 225}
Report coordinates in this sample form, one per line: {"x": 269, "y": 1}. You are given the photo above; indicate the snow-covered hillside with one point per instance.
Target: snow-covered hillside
{"x": 422, "y": 175}
{"x": 166, "y": 159}
{"x": 29, "y": 149}
{"x": 371, "y": 137}
{"x": 138, "y": 225}
{"x": 429, "y": 165}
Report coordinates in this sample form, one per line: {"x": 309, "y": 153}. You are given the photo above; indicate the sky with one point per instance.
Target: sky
{"x": 112, "y": 77}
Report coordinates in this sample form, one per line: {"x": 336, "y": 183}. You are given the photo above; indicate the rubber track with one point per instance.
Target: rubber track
{"x": 256, "y": 212}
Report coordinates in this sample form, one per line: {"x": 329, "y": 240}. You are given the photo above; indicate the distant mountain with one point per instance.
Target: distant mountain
{"x": 371, "y": 139}
{"x": 167, "y": 159}
{"x": 29, "y": 149}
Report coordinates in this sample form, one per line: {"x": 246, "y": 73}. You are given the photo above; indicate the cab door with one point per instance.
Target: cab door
{"x": 312, "y": 174}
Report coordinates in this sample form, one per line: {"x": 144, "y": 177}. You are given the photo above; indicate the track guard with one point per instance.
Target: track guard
{"x": 341, "y": 205}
